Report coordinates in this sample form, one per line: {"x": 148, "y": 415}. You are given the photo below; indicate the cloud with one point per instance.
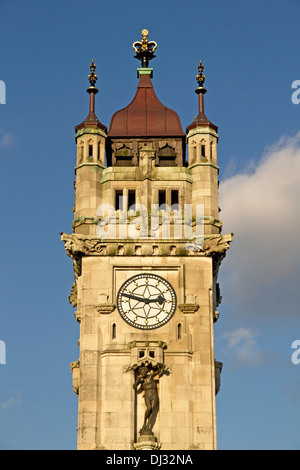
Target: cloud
{"x": 243, "y": 346}
{"x": 6, "y": 139}
{"x": 261, "y": 206}
{"x": 12, "y": 402}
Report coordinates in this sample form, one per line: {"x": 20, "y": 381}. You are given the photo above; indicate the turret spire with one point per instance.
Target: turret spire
{"x": 92, "y": 90}
{"x": 200, "y": 90}
{"x": 91, "y": 120}
{"x": 201, "y": 120}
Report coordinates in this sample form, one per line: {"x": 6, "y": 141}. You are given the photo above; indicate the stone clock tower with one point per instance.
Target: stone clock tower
{"x": 146, "y": 248}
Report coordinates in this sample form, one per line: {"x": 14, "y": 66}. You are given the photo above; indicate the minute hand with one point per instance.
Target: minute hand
{"x": 159, "y": 299}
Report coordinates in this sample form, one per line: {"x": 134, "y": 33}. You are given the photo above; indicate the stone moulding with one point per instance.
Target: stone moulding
{"x": 77, "y": 246}
{"x": 188, "y": 308}
{"x": 90, "y": 220}
{"x": 90, "y": 130}
{"x": 75, "y": 369}
{"x": 73, "y": 295}
{"x": 147, "y": 344}
{"x": 147, "y": 443}
{"x": 105, "y": 308}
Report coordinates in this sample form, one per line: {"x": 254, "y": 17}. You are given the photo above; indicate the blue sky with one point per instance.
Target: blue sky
{"x": 251, "y": 56}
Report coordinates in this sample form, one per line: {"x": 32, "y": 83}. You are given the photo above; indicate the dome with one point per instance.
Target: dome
{"x": 145, "y": 116}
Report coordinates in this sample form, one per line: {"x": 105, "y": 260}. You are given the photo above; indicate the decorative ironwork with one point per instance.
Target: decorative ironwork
{"x": 145, "y": 49}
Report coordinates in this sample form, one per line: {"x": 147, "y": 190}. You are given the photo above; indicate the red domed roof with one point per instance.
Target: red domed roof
{"x": 145, "y": 116}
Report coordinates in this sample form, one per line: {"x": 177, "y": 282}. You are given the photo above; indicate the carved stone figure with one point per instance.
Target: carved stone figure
{"x": 218, "y": 244}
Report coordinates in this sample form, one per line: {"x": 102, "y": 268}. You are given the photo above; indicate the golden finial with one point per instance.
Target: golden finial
{"x": 93, "y": 76}
{"x": 144, "y": 50}
{"x": 200, "y": 77}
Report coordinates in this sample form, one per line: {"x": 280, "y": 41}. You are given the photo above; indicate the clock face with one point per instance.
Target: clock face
{"x": 146, "y": 301}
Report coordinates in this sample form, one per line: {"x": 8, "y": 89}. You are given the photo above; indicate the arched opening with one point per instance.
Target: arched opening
{"x": 114, "y": 331}
{"x": 167, "y": 156}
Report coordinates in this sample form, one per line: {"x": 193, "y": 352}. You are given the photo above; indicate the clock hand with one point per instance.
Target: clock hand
{"x": 159, "y": 299}
{"x": 134, "y": 297}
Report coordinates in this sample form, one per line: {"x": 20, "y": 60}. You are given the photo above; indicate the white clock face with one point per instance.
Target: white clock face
{"x": 146, "y": 301}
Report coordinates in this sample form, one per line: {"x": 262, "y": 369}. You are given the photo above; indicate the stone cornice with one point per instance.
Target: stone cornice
{"x": 94, "y": 164}
{"x": 90, "y": 130}
{"x": 202, "y": 130}
{"x": 80, "y": 245}
{"x": 194, "y": 165}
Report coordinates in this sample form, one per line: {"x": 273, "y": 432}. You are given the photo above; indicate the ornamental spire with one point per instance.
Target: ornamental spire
{"x": 91, "y": 120}
{"x": 200, "y": 78}
{"x": 145, "y": 49}
{"x": 92, "y": 78}
{"x": 92, "y": 90}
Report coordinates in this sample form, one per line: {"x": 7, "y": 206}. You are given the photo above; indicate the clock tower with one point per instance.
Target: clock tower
{"x": 146, "y": 247}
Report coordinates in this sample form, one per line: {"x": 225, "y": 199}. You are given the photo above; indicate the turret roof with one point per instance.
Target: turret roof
{"x": 145, "y": 116}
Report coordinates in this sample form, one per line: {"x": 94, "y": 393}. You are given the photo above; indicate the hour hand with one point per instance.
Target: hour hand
{"x": 159, "y": 300}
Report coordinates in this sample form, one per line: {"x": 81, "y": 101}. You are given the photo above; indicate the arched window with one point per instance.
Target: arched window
{"x": 114, "y": 331}
{"x": 179, "y": 331}
{"x": 80, "y": 152}
{"x": 99, "y": 150}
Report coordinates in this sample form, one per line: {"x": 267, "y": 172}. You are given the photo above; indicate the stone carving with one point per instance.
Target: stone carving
{"x": 75, "y": 369}
{"x": 218, "y": 370}
{"x": 188, "y": 308}
{"x": 77, "y": 246}
{"x": 105, "y": 308}
{"x": 73, "y": 295}
{"x": 218, "y": 244}
{"x": 149, "y": 350}
{"x": 218, "y": 294}
{"x": 216, "y": 315}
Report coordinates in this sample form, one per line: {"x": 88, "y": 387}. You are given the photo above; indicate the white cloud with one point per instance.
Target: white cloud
{"x": 12, "y": 402}
{"x": 262, "y": 208}
{"x": 242, "y": 344}
{"x": 6, "y": 139}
